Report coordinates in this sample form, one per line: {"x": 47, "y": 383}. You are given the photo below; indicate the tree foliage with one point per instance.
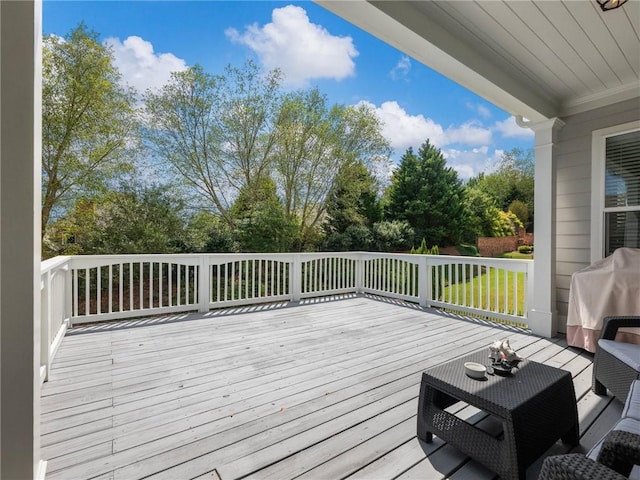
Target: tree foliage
{"x": 353, "y": 201}
{"x": 393, "y": 236}
{"x": 206, "y": 232}
{"x": 133, "y": 219}
{"x": 261, "y": 223}
{"x": 512, "y": 181}
{"x": 217, "y": 132}
{"x": 428, "y": 195}
{"x": 315, "y": 141}
{"x": 88, "y": 119}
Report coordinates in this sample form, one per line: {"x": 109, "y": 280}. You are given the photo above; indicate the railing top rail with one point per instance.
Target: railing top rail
{"x": 53, "y": 263}
{"x": 478, "y": 260}
{"x": 437, "y": 259}
{"x": 448, "y": 258}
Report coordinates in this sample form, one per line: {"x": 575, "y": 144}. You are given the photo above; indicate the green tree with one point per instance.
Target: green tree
{"x": 428, "y": 195}
{"x": 393, "y": 236}
{"x": 520, "y": 210}
{"x": 207, "y": 233}
{"x": 248, "y": 110}
{"x": 216, "y": 132}
{"x": 261, "y": 223}
{"x": 480, "y": 212}
{"x": 513, "y": 180}
{"x": 133, "y": 219}
{"x": 314, "y": 142}
{"x": 88, "y": 119}
{"x": 353, "y": 201}
{"x": 353, "y": 238}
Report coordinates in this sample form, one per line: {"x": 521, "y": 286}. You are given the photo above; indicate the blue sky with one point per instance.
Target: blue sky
{"x": 313, "y": 47}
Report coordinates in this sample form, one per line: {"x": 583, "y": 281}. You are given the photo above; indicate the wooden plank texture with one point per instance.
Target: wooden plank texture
{"x": 320, "y": 389}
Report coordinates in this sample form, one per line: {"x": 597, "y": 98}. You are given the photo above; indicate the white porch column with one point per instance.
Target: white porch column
{"x": 542, "y": 315}
{"x": 20, "y": 156}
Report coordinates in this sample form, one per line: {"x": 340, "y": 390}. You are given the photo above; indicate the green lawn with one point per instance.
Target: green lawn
{"x": 479, "y": 287}
{"x": 518, "y": 255}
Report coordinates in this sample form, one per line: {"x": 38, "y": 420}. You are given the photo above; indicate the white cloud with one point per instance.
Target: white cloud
{"x": 470, "y": 133}
{"x": 401, "y": 70}
{"x": 510, "y": 129}
{"x": 469, "y": 163}
{"x": 301, "y": 49}
{"x": 405, "y": 130}
{"x": 140, "y": 66}
{"x": 484, "y": 111}
{"x": 480, "y": 109}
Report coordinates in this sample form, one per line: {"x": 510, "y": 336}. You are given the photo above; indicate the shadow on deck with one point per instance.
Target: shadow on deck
{"x": 322, "y": 389}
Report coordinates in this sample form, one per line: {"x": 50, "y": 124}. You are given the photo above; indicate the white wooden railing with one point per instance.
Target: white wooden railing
{"x": 81, "y": 289}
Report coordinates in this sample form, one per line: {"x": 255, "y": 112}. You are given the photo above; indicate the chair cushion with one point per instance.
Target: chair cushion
{"x": 628, "y": 353}
{"x": 632, "y": 405}
{"x": 625, "y": 424}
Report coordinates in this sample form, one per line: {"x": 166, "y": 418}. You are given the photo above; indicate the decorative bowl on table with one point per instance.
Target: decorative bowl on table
{"x": 475, "y": 370}
{"x": 503, "y": 358}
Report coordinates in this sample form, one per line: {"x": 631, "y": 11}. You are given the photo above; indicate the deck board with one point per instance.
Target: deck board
{"x": 323, "y": 389}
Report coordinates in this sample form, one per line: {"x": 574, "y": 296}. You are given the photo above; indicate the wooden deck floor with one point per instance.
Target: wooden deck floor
{"x": 327, "y": 389}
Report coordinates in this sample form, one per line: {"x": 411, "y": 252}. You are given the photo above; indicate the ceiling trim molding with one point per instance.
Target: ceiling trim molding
{"x": 602, "y": 99}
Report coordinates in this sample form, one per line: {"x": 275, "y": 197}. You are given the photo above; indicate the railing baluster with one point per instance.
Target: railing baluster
{"x": 170, "y": 274}
{"x": 76, "y": 278}
{"x": 160, "y": 275}
{"x": 87, "y": 292}
{"x": 464, "y": 283}
{"x": 151, "y": 270}
{"x": 120, "y": 288}
{"x": 279, "y": 277}
{"x": 110, "y": 284}
{"x": 187, "y": 282}
{"x": 496, "y": 290}
{"x": 130, "y": 269}
{"x": 316, "y": 275}
{"x": 488, "y": 290}
{"x": 472, "y": 288}
{"x": 179, "y": 284}
{"x": 253, "y": 279}
{"x": 98, "y": 290}
{"x": 514, "y": 297}
{"x": 506, "y": 291}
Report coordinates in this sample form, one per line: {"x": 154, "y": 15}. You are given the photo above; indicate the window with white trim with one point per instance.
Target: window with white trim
{"x": 615, "y": 191}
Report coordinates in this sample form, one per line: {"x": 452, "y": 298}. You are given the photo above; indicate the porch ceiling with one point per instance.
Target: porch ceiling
{"x": 535, "y": 58}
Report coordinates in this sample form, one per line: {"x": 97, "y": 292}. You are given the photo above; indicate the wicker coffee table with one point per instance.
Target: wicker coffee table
{"x": 536, "y": 405}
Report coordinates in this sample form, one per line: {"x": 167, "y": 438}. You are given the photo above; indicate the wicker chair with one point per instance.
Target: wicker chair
{"x": 614, "y": 457}
{"x": 616, "y": 364}
{"x": 623, "y": 450}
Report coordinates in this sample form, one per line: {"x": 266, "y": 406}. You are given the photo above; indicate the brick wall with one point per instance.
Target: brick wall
{"x": 490, "y": 246}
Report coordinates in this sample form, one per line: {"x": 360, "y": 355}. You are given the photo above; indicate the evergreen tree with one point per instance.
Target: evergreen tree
{"x": 428, "y": 195}
{"x": 353, "y": 201}
{"x": 261, "y": 224}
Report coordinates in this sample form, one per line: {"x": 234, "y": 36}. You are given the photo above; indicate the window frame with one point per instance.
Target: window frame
{"x": 598, "y": 168}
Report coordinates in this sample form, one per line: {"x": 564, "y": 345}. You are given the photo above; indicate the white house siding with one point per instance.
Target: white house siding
{"x": 573, "y": 192}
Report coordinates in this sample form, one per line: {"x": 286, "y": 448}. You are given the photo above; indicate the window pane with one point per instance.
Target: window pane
{"x": 623, "y": 230}
{"x": 622, "y": 177}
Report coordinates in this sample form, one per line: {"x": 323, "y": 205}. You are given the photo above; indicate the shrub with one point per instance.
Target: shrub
{"x": 468, "y": 250}
{"x": 424, "y": 250}
{"x": 525, "y": 249}
{"x": 392, "y": 236}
